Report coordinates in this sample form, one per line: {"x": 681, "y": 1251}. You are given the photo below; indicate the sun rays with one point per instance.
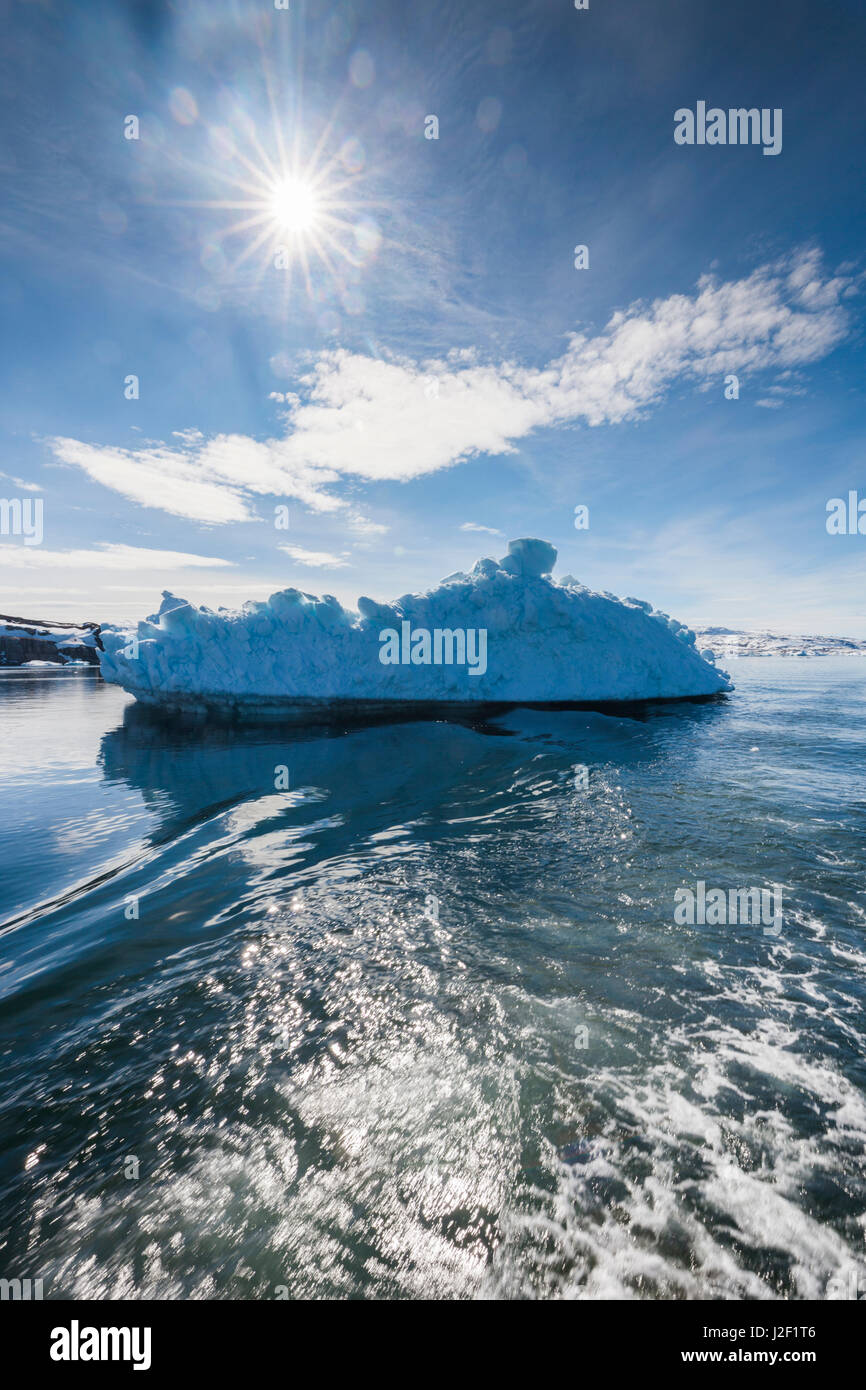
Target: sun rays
{"x": 284, "y": 206}
{"x": 292, "y": 216}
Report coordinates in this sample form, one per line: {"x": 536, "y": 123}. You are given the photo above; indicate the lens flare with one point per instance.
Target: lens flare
{"x": 293, "y": 206}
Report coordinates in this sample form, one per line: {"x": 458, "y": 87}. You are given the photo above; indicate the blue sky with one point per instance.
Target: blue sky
{"x": 440, "y": 364}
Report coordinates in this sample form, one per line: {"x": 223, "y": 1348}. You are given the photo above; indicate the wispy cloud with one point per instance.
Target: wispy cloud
{"x": 315, "y": 559}
{"x": 187, "y": 483}
{"x": 106, "y": 556}
{"x": 21, "y": 484}
{"x": 363, "y": 526}
{"x": 710, "y": 567}
{"x": 473, "y": 526}
{"x": 371, "y": 418}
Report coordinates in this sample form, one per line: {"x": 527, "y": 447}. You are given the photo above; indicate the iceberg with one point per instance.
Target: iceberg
{"x": 506, "y": 633}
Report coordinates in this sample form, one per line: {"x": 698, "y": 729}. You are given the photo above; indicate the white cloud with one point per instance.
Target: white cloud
{"x": 725, "y": 567}
{"x": 21, "y": 484}
{"x": 371, "y": 418}
{"x": 162, "y": 477}
{"x": 363, "y": 526}
{"x": 316, "y": 559}
{"x": 473, "y": 526}
{"x": 211, "y": 481}
{"x": 106, "y": 556}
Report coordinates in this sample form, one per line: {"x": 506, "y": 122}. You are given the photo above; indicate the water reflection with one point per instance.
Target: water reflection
{"x": 399, "y": 1009}
{"x": 369, "y": 767}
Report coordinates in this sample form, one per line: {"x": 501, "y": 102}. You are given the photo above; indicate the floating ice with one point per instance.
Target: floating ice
{"x": 507, "y": 632}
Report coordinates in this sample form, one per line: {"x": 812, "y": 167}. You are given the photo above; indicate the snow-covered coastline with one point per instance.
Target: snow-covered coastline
{"x": 534, "y": 640}
{"x": 37, "y": 644}
{"x": 730, "y": 643}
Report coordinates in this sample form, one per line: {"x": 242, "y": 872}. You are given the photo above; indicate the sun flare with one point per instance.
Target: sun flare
{"x": 293, "y": 206}
{"x": 300, "y": 208}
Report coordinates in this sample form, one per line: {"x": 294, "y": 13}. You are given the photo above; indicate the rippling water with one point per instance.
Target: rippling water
{"x": 422, "y": 1024}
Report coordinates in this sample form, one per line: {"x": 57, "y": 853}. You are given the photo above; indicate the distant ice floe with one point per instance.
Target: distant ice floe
{"x": 505, "y": 632}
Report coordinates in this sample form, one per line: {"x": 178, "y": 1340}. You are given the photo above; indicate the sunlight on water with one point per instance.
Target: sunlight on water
{"x": 421, "y": 1023}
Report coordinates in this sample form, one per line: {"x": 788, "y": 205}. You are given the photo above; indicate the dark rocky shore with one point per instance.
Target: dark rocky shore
{"x": 21, "y": 642}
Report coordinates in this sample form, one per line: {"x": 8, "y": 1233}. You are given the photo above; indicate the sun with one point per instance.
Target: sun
{"x": 293, "y": 206}
{"x": 291, "y": 214}
{"x": 301, "y": 208}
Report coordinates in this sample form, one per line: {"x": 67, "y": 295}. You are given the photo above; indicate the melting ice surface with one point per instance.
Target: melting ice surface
{"x": 544, "y": 642}
{"x": 339, "y": 1026}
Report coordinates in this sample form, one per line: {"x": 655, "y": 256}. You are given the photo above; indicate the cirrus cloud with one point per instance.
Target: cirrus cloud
{"x": 106, "y": 556}
{"x": 315, "y": 559}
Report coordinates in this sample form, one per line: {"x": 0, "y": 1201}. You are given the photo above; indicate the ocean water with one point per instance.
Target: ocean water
{"x": 401, "y": 1009}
